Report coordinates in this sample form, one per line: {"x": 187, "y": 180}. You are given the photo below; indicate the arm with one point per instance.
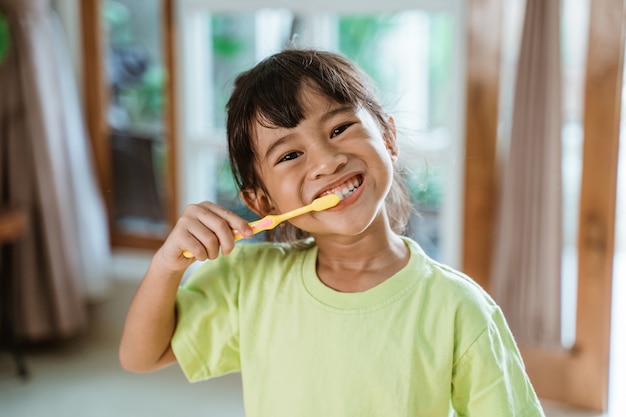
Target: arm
{"x": 151, "y": 319}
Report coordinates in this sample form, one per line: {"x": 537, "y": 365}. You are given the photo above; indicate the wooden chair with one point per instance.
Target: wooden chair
{"x": 13, "y": 225}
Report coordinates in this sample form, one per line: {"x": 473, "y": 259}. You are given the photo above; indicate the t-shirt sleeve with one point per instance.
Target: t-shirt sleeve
{"x": 489, "y": 378}
{"x": 206, "y": 339}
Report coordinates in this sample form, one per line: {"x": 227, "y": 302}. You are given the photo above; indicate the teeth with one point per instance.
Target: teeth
{"x": 347, "y": 189}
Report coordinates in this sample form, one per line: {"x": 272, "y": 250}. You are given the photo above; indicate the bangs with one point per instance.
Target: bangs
{"x": 276, "y": 102}
{"x": 277, "y": 98}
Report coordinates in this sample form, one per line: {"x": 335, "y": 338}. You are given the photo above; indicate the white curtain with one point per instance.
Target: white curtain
{"x": 46, "y": 169}
{"x": 526, "y": 270}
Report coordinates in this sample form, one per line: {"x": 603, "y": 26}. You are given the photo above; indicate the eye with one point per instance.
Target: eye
{"x": 339, "y": 130}
{"x": 289, "y": 156}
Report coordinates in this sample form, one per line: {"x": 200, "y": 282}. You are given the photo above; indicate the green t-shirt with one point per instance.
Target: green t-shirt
{"x": 424, "y": 342}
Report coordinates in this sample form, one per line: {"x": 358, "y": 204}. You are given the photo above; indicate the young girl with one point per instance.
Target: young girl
{"x": 345, "y": 316}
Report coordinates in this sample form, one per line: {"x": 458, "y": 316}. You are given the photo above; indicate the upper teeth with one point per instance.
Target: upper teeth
{"x": 347, "y": 188}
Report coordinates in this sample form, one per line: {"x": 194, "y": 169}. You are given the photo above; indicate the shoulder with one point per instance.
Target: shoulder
{"x": 473, "y": 309}
{"x": 480, "y": 329}
{"x": 443, "y": 281}
{"x": 454, "y": 298}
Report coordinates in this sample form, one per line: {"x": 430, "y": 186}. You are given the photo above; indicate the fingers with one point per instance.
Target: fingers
{"x": 204, "y": 229}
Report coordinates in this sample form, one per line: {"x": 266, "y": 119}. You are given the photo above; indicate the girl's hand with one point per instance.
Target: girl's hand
{"x": 201, "y": 230}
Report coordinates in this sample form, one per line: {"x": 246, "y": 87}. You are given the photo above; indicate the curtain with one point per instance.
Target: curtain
{"x": 46, "y": 169}
{"x": 526, "y": 269}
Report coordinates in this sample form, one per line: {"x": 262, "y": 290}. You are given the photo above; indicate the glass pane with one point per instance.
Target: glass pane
{"x": 407, "y": 53}
{"x": 135, "y": 78}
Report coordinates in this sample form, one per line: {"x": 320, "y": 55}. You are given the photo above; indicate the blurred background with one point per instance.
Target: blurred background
{"x": 112, "y": 120}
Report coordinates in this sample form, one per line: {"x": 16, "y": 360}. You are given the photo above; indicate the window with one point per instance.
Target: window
{"x": 409, "y": 48}
{"x": 135, "y": 81}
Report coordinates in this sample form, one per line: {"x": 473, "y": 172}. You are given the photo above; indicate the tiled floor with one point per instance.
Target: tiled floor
{"x": 82, "y": 378}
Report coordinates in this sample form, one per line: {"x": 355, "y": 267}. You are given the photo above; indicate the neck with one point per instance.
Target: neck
{"x": 358, "y": 263}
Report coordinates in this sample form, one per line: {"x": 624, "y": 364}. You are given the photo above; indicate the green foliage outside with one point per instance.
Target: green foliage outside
{"x": 4, "y": 37}
{"x": 359, "y": 37}
{"x": 116, "y": 19}
{"x": 425, "y": 188}
{"x": 144, "y": 100}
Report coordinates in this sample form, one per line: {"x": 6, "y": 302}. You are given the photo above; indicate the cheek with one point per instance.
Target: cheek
{"x": 283, "y": 191}
{"x": 386, "y": 167}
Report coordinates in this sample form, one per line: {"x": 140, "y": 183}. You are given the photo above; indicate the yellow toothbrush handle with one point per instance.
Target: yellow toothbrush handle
{"x": 271, "y": 221}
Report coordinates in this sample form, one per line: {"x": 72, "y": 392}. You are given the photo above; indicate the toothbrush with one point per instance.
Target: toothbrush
{"x": 271, "y": 221}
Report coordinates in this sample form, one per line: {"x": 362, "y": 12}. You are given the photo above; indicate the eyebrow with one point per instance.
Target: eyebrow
{"x": 275, "y": 145}
{"x": 325, "y": 117}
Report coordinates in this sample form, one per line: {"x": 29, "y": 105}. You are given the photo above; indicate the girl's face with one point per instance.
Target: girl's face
{"x": 335, "y": 149}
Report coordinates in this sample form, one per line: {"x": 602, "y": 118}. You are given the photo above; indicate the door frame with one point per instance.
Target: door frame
{"x": 96, "y": 100}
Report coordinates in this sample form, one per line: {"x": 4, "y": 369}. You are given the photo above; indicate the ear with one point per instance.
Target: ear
{"x": 257, "y": 201}
{"x": 391, "y": 142}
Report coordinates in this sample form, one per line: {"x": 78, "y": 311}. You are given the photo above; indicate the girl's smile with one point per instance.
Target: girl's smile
{"x": 349, "y": 192}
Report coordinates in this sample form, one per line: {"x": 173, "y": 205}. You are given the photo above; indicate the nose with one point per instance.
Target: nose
{"x": 325, "y": 159}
